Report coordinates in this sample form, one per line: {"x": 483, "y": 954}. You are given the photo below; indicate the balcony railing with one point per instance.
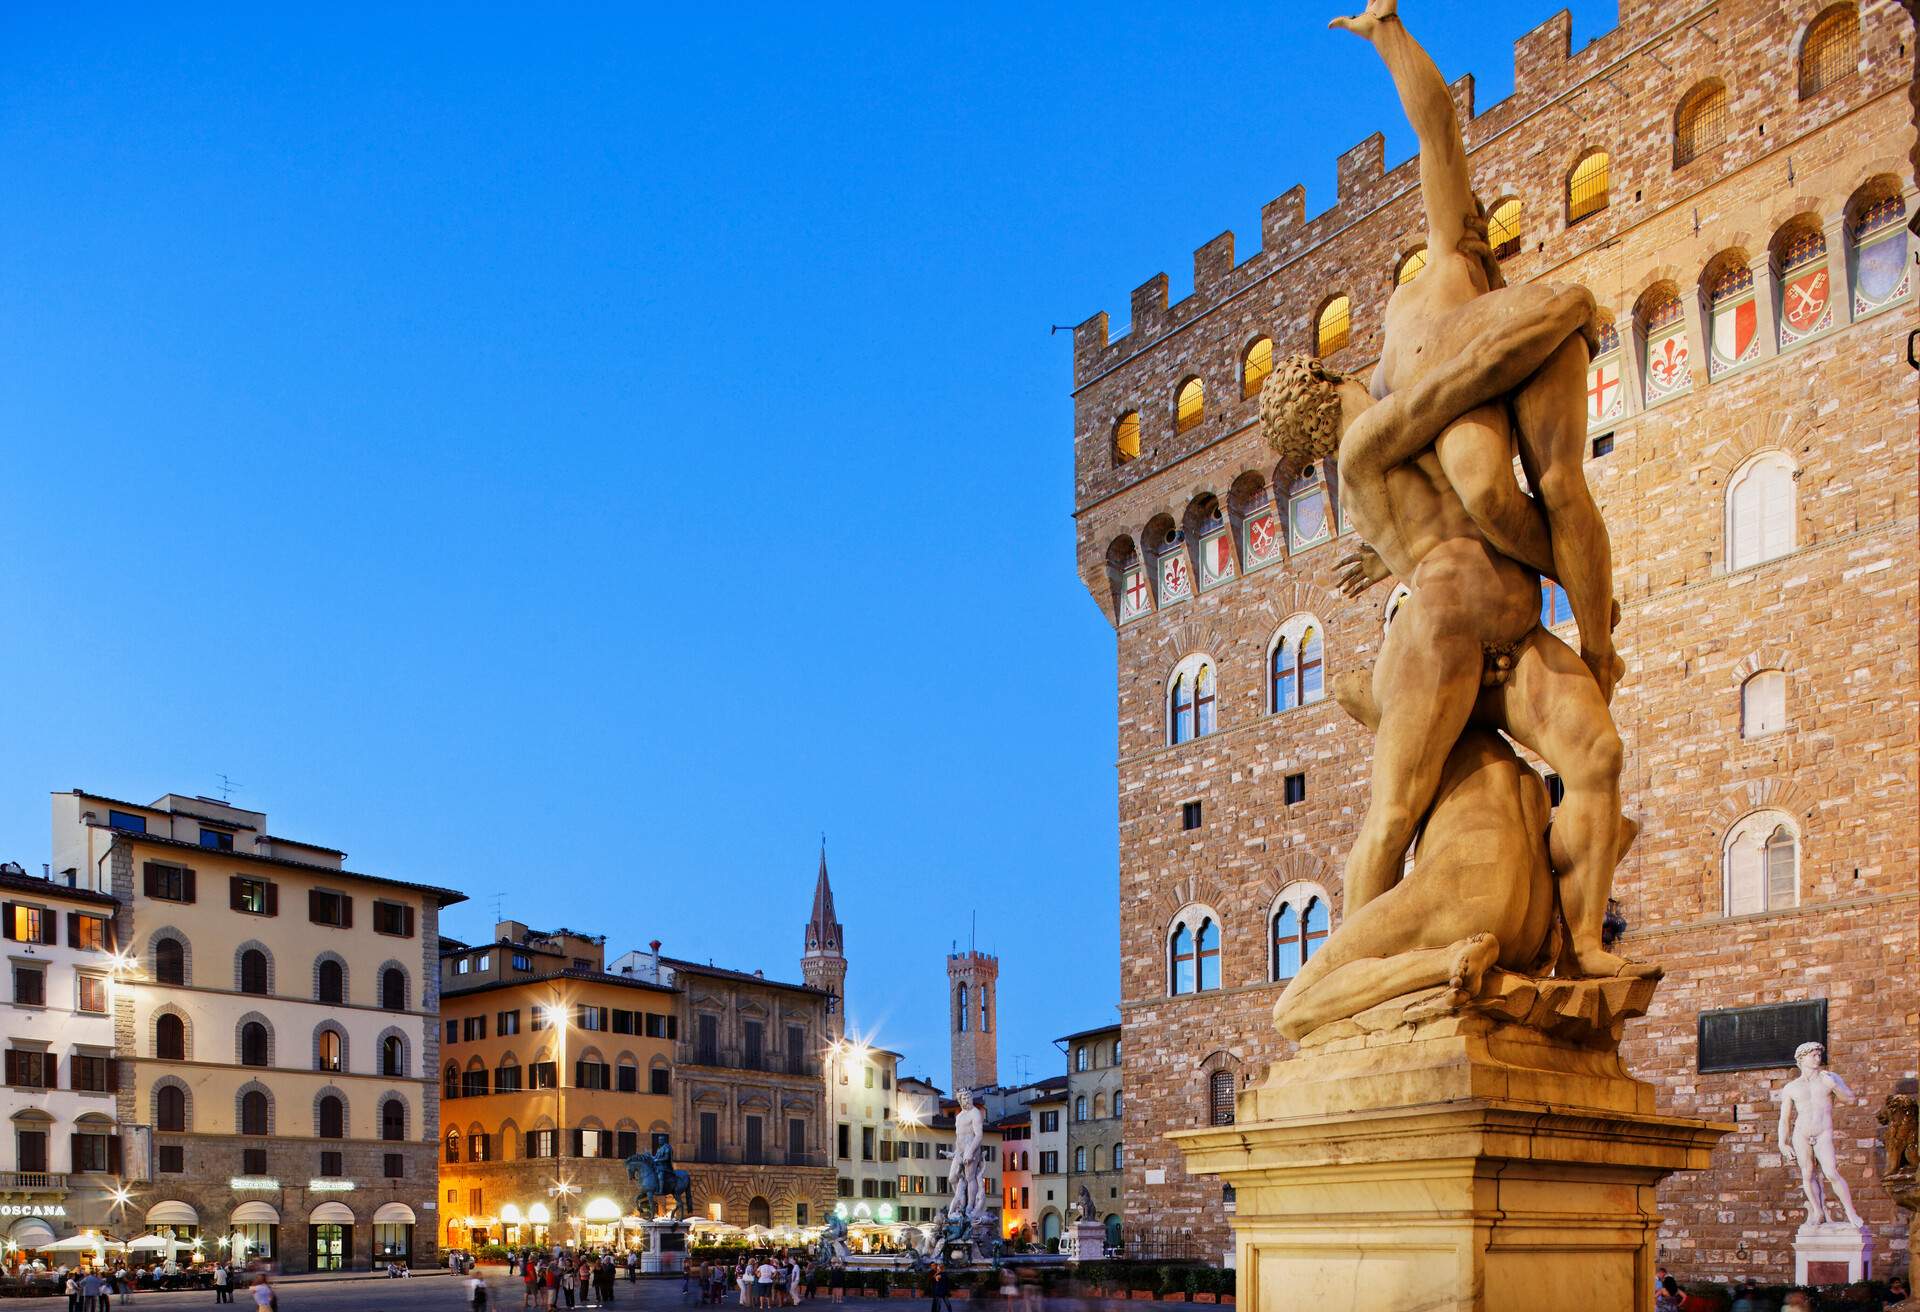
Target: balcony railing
{"x": 738, "y": 1059}
{"x": 727, "y": 1155}
{"x": 32, "y": 1180}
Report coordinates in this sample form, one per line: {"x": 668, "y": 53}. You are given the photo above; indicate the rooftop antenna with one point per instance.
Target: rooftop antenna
{"x": 227, "y": 787}
{"x": 973, "y": 934}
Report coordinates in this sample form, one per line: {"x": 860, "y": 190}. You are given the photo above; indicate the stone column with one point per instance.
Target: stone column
{"x": 1766, "y": 305}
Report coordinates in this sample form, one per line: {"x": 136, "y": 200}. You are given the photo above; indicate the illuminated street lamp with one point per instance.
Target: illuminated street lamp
{"x": 560, "y": 1191}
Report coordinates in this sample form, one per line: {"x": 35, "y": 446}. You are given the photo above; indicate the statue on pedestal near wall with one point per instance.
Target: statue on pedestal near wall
{"x": 1502, "y": 909}
{"x": 1807, "y": 1102}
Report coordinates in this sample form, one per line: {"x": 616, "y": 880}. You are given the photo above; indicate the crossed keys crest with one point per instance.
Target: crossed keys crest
{"x": 1807, "y": 300}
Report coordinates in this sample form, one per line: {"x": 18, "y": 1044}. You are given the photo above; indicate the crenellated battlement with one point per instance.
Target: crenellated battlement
{"x": 1546, "y": 68}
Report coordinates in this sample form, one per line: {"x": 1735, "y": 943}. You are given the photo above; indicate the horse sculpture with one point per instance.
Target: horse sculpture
{"x": 654, "y": 1175}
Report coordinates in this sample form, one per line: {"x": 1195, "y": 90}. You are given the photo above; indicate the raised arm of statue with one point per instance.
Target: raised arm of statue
{"x": 1495, "y": 362}
{"x": 1444, "y": 186}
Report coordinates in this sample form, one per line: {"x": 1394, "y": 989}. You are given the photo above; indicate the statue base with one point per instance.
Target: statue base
{"x": 1090, "y": 1240}
{"x": 1449, "y": 1160}
{"x": 1832, "y": 1253}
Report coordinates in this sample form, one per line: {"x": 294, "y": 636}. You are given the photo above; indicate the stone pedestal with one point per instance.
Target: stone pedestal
{"x": 1090, "y": 1240}
{"x": 1832, "y": 1254}
{"x": 1460, "y": 1162}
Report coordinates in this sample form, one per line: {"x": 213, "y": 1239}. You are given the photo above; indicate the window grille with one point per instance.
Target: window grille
{"x": 1126, "y": 438}
{"x": 1255, "y": 368}
{"x": 1832, "y": 50}
{"x": 1587, "y": 188}
{"x": 1335, "y": 327}
{"x": 1191, "y": 406}
{"x": 1503, "y": 229}
{"x": 1701, "y": 124}
{"x": 1220, "y": 1099}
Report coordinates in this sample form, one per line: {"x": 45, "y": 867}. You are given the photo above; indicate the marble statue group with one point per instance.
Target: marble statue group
{"x": 1472, "y": 374}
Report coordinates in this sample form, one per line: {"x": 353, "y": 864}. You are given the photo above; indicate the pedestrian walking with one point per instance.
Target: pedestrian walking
{"x": 529, "y": 1279}
{"x": 837, "y": 1282}
{"x": 941, "y": 1289}
{"x": 263, "y": 1295}
{"x": 793, "y": 1280}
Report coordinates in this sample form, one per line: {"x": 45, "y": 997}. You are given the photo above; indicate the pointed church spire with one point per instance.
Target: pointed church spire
{"x": 822, "y": 902}
{"x": 823, "y": 965}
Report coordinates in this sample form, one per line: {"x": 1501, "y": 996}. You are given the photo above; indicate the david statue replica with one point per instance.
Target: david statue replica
{"x": 1458, "y": 1069}
{"x": 1806, "y": 1146}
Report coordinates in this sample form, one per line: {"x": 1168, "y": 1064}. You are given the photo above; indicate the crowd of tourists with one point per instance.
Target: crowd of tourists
{"x": 769, "y": 1279}
{"x": 569, "y": 1277}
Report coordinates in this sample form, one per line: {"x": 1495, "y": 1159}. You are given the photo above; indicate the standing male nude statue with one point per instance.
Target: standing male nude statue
{"x": 1810, "y": 1094}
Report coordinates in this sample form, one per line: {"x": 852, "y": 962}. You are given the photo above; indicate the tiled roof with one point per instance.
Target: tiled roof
{"x": 584, "y": 976}
{"x": 1112, "y": 1027}
{"x": 746, "y": 977}
{"x": 47, "y": 888}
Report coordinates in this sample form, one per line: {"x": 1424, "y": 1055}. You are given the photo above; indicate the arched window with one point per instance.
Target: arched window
{"x": 1080, "y": 1108}
{"x": 1193, "y": 951}
{"x": 1334, "y": 326}
{"x": 1700, "y": 123}
{"x": 1180, "y": 960}
{"x": 1554, "y": 606}
{"x": 1300, "y": 926}
{"x": 1760, "y": 513}
{"x": 1206, "y": 946}
{"x": 327, "y": 1052}
{"x": 170, "y": 1108}
{"x": 1119, "y": 1100}
{"x": 1190, "y": 405}
{"x": 253, "y": 1112}
{"x": 759, "y": 1212}
{"x": 169, "y": 962}
{"x": 253, "y": 1044}
{"x": 393, "y": 1120}
{"x": 1119, "y": 1156}
{"x": 1410, "y": 265}
{"x": 1587, "y": 187}
{"x": 1220, "y": 1098}
{"x": 332, "y": 1119}
{"x": 393, "y": 1056}
{"x": 1395, "y": 601}
{"x": 1503, "y": 228}
{"x": 1830, "y": 52}
{"x": 331, "y": 981}
{"x": 1255, "y": 365}
{"x": 986, "y": 1015}
{"x": 453, "y": 1146}
{"x": 1296, "y": 672}
{"x": 1763, "y": 704}
{"x": 1099, "y": 1106}
{"x": 393, "y": 989}
{"x": 253, "y": 971}
{"x": 450, "y": 1082}
{"x": 170, "y": 1038}
{"x": 1191, "y": 701}
{"x": 1080, "y": 1159}
{"x": 1762, "y": 864}
{"x": 966, "y": 1012}
{"x": 1126, "y": 438}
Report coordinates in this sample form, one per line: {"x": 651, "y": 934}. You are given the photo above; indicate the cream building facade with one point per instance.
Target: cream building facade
{"x": 64, "y": 1148}
{"x": 276, "y": 1029}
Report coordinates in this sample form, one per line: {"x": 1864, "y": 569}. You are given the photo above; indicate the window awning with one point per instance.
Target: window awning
{"x": 393, "y": 1214}
{"x": 331, "y": 1213}
{"x": 255, "y": 1212}
{"x": 172, "y": 1212}
{"x": 30, "y": 1232}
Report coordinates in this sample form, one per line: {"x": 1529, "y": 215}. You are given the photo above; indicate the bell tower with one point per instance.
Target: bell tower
{"x": 973, "y": 1015}
{"x": 823, "y": 962}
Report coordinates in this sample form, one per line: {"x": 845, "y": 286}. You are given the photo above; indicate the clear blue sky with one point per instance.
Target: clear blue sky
{"x": 580, "y": 457}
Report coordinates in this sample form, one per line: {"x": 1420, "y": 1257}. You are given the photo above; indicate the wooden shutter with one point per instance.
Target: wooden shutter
{"x": 50, "y": 928}
{"x": 186, "y": 884}
{"x": 49, "y": 1071}
{"x": 346, "y": 912}
{"x": 234, "y": 901}
{"x": 580, "y": 1079}
{"x": 273, "y": 898}
{"x": 13, "y": 1067}
{"x": 113, "y": 1154}
{"x": 150, "y": 880}
{"x": 1747, "y": 499}
{"x": 6, "y": 914}
{"x": 1776, "y": 522}
{"x": 113, "y": 1086}
{"x": 406, "y": 921}
{"x": 73, "y": 929}
{"x": 73, "y": 1148}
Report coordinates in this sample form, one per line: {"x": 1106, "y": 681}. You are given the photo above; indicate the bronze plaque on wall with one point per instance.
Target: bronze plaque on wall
{"x": 1757, "y": 1038}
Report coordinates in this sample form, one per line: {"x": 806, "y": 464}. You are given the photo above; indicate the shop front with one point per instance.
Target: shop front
{"x": 330, "y": 1237}
{"x": 393, "y": 1234}
{"x": 173, "y": 1231}
{"x": 253, "y": 1232}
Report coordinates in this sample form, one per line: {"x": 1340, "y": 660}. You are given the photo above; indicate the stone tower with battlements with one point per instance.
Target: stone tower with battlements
{"x": 973, "y": 1012}
{"x": 823, "y": 963}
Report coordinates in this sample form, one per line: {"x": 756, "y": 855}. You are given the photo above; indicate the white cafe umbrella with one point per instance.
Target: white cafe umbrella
{"x": 154, "y": 1243}
{"x": 75, "y": 1244}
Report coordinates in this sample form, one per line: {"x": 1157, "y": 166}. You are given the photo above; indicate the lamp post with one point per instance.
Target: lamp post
{"x": 555, "y": 1014}
{"x": 560, "y": 1191}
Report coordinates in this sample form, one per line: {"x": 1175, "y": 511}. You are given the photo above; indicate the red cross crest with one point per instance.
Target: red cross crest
{"x": 1603, "y": 390}
{"x": 1137, "y": 591}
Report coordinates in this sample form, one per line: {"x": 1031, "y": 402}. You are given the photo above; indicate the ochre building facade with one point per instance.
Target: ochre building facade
{"x": 1732, "y": 181}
